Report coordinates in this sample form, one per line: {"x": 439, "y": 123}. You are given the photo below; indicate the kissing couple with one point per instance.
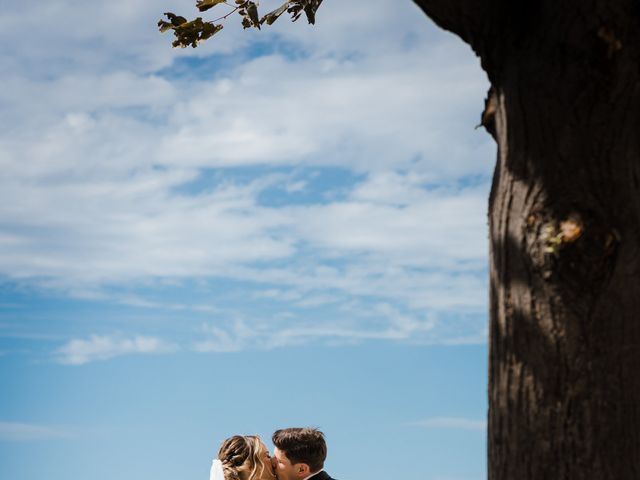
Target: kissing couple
{"x": 299, "y": 454}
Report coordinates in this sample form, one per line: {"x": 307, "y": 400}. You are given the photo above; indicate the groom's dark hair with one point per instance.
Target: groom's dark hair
{"x": 302, "y": 445}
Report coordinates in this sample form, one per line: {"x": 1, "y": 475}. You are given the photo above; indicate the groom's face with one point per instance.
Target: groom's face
{"x": 283, "y": 467}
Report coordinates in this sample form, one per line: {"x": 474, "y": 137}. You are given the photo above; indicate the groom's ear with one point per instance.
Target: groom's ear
{"x": 302, "y": 470}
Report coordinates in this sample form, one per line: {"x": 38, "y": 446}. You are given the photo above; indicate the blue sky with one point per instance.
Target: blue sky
{"x": 278, "y": 228}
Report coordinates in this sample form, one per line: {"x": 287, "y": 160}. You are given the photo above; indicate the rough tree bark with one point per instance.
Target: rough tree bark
{"x": 564, "y": 216}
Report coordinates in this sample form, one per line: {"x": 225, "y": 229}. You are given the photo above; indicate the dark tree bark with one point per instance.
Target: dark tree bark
{"x": 564, "y": 216}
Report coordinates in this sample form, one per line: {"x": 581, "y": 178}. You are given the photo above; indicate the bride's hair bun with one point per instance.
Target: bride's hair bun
{"x": 239, "y": 455}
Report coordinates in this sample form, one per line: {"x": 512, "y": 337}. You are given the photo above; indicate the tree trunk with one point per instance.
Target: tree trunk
{"x": 564, "y": 380}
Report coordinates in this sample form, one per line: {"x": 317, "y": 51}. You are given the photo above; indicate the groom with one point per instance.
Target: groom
{"x": 299, "y": 454}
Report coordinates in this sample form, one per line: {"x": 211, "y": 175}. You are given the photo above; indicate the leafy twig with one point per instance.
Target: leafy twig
{"x": 191, "y": 33}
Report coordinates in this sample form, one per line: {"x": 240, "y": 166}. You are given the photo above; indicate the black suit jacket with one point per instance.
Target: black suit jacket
{"x": 321, "y": 476}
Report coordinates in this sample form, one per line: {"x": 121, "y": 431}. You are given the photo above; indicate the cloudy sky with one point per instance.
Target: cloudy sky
{"x": 285, "y": 227}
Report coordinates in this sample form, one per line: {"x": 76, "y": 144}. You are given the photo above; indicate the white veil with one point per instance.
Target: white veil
{"x": 216, "y": 470}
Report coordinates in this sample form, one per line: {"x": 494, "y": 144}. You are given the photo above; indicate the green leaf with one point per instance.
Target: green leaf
{"x": 188, "y": 33}
{"x": 273, "y": 16}
{"x": 204, "y": 5}
{"x": 164, "y": 26}
{"x": 252, "y": 13}
{"x": 175, "y": 20}
{"x": 310, "y": 10}
{"x": 249, "y": 12}
{"x": 309, "y": 7}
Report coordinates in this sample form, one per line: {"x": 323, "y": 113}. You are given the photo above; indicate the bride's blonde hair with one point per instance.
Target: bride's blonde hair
{"x": 240, "y": 457}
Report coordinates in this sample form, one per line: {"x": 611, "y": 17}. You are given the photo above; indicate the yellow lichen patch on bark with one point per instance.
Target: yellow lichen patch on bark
{"x": 571, "y": 230}
{"x": 568, "y": 231}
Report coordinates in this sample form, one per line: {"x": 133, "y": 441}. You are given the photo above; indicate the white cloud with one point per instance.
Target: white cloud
{"x": 98, "y": 181}
{"x": 103, "y": 347}
{"x": 348, "y": 324}
{"x": 366, "y": 115}
{"x": 455, "y": 423}
{"x": 237, "y": 336}
{"x": 24, "y": 432}
{"x": 433, "y": 228}
{"x": 120, "y": 233}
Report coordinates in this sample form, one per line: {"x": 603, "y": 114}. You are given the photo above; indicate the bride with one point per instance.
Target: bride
{"x": 242, "y": 458}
